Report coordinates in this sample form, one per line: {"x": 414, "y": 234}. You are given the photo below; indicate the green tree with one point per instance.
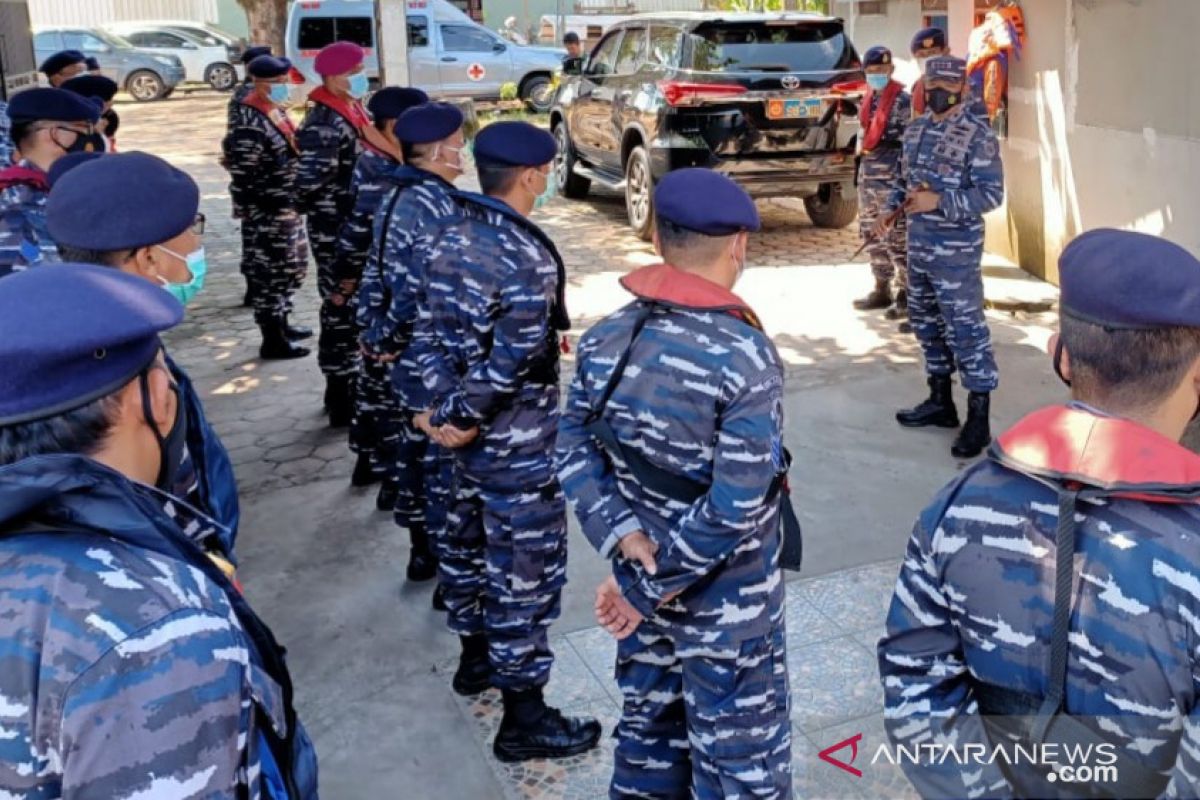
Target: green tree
{"x": 267, "y": 19}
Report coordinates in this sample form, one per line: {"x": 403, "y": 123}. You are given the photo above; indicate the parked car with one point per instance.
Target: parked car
{"x": 769, "y": 99}
{"x": 202, "y": 62}
{"x": 208, "y": 34}
{"x": 146, "y": 76}
{"x": 449, "y": 54}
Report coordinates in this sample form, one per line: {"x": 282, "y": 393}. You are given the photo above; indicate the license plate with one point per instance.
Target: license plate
{"x": 793, "y": 109}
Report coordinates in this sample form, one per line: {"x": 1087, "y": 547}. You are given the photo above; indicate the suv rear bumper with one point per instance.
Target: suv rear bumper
{"x": 785, "y": 176}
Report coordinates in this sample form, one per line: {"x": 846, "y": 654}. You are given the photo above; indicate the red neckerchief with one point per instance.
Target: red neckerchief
{"x": 1121, "y": 457}
{"x": 275, "y": 114}
{"x": 918, "y": 98}
{"x": 878, "y": 123}
{"x": 353, "y": 112}
{"x": 17, "y": 175}
{"x": 672, "y": 286}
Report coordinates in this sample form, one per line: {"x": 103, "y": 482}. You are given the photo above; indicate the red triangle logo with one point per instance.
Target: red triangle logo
{"x": 852, "y": 743}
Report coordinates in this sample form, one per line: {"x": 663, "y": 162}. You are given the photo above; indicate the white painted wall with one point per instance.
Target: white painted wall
{"x": 893, "y": 30}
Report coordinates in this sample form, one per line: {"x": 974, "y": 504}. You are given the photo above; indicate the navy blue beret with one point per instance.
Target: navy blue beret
{"x": 73, "y": 333}
{"x": 927, "y": 38}
{"x": 514, "y": 144}
{"x": 877, "y": 56}
{"x": 60, "y": 61}
{"x": 1122, "y": 279}
{"x": 92, "y": 64}
{"x": 91, "y": 86}
{"x": 254, "y": 52}
{"x": 428, "y": 122}
{"x": 268, "y": 67}
{"x": 121, "y": 201}
{"x": 392, "y": 101}
{"x": 69, "y": 162}
{"x": 705, "y": 201}
{"x": 57, "y": 105}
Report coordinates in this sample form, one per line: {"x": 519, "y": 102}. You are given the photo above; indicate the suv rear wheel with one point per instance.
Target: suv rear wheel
{"x": 145, "y": 86}
{"x": 569, "y": 184}
{"x": 831, "y": 208}
{"x": 639, "y": 191}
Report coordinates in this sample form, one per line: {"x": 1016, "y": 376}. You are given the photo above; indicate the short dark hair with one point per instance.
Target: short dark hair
{"x": 81, "y": 431}
{"x": 496, "y": 180}
{"x": 383, "y": 124}
{"x": 1124, "y": 370}
{"x": 104, "y": 258}
{"x": 571, "y": 37}
{"x": 686, "y": 248}
{"x": 22, "y": 130}
{"x": 412, "y": 151}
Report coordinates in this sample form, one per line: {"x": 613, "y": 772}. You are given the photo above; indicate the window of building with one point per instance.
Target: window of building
{"x": 869, "y": 7}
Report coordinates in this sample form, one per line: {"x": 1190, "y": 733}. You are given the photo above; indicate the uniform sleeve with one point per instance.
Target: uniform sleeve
{"x": 586, "y": 473}
{"x": 748, "y": 444}
{"x": 1185, "y": 777}
{"x": 354, "y": 238}
{"x": 163, "y": 714}
{"x": 396, "y": 232}
{"x": 518, "y": 314}
{"x": 985, "y": 181}
{"x": 372, "y": 294}
{"x": 898, "y": 182}
{"x": 249, "y": 165}
{"x": 926, "y": 684}
{"x": 437, "y": 376}
{"x": 318, "y": 145}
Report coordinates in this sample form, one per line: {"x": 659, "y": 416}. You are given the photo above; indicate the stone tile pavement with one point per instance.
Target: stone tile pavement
{"x": 371, "y": 663}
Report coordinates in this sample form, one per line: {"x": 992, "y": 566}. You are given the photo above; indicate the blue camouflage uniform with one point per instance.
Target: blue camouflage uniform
{"x": 262, "y": 160}
{"x": 487, "y": 343}
{"x": 24, "y": 240}
{"x": 329, "y": 149}
{"x": 958, "y": 158}
{"x": 704, "y": 676}
{"x": 7, "y": 148}
{"x": 387, "y": 314}
{"x": 877, "y": 174}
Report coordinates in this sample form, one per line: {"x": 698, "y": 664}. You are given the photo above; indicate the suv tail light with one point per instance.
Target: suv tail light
{"x": 679, "y": 93}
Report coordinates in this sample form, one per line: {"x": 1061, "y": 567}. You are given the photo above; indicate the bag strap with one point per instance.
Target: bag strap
{"x": 1064, "y": 572}
{"x": 646, "y": 311}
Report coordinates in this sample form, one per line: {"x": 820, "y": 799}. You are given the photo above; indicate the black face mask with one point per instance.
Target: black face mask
{"x": 171, "y": 447}
{"x": 942, "y": 100}
{"x": 84, "y": 142}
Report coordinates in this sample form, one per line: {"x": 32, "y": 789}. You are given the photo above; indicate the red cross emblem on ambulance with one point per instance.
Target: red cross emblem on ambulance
{"x": 476, "y": 71}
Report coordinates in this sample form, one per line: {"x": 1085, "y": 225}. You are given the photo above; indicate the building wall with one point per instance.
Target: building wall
{"x": 98, "y": 12}
{"x": 893, "y": 29}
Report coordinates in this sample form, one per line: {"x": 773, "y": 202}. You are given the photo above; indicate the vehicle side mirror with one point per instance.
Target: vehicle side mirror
{"x": 499, "y": 47}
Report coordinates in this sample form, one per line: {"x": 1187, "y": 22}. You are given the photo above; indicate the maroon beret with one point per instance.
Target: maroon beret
{"x": 338, "y": 59}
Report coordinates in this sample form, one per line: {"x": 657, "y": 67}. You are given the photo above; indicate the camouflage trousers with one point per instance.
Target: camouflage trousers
{"x": 375, "y": 426}
{"x": 422, "y": 471}
{"x": 945, "y": 300}
{"x": 702, "y": 721}
{"x": 337, "y": 344}
{"x": 275, "y": 259}
{"x": 889, "y": 257}
{"x": 503, "y": 563}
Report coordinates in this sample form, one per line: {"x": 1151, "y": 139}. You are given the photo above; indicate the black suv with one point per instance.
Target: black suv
{"x": 769, "y": 99}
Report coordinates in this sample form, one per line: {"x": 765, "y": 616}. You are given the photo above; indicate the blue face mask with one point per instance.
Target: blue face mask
{"x": 877, "y": 81}
{"x": 197, "y": 264}
{"x": 280, "y": 93}
{"x": 550, "y": 191}
{"x": 359, "y": 85}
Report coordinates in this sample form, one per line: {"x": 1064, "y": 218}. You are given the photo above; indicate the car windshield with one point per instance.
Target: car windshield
{"x": 769, "y": 47}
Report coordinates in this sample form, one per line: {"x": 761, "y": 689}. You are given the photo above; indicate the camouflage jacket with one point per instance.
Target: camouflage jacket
{"x": 129, "y": 664}
{"x": 702, "y": 397}
{"x": 975, "y": 597}
{"x": 407, "y": 212}
{"x": 262, "y": 163}
{"x": 959, "y": 158}
{"x": 374, "y": 174}
{"x": 882, "y": 163}
{"x": 24, "y": 238}
{"x": 240, "y": 93}
{"x": 491, "y": 312}
{"x": 7, "y": 148}
{"x": 329, "y": 148}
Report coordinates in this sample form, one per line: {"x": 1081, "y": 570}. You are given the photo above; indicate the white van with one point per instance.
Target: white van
{"x": 449, "y": 54}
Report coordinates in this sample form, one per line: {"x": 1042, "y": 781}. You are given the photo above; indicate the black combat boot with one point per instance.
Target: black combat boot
{"x": 296, "y": 332}
{"x": 422, "y": 564}
{"x": 389, "y": 493}
{"x": 976, "y": 434}
{"x": 474, "y": 673}
{"x": 880, "y": 297}
{"x": 276, "y": 346}
{"x": 530, "y": 729}
{"x": 937, "y": 410}
{"x": 439, "y": 598}
{"x": 899, "y": 309}
{"x": 365, "y": 472}
{"x": 338, "y": 400}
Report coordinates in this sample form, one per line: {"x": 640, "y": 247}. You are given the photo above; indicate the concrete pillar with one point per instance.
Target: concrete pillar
{"x": 393, "y": 42}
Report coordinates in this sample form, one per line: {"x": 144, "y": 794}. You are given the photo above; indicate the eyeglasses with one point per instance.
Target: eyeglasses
{"x": 198, "y": 225}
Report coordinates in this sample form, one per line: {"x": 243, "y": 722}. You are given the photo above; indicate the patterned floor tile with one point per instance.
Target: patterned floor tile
{"x": 832, "y": 681}
{"x": 571, "y": 682}
{"x": 855, "y": 599}
{"x": 598, "y": 650}
{"x": 805, "y": 624}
